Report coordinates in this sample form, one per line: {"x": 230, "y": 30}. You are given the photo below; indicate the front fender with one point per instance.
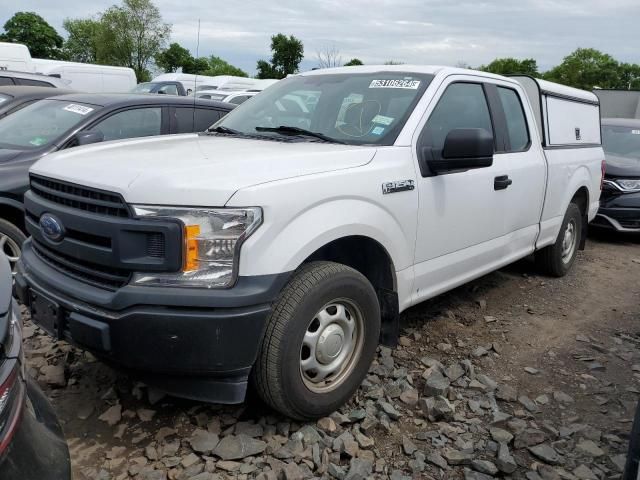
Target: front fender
{"x": 283, "y": 248}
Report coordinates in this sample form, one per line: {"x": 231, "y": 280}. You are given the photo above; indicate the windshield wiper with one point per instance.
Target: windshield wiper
{"x": 223, "y": 129}
{"x": 289, "y": 130}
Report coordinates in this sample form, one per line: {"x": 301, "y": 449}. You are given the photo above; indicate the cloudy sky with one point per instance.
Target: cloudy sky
{"x": 411, "y": 31}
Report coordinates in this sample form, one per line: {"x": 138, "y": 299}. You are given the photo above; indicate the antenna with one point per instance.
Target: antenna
{"x": 195, "y": 80}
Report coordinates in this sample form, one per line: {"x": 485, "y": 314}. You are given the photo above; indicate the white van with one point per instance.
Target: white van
{"x": 16, "y": 57}
{"x": 87, "y": 77}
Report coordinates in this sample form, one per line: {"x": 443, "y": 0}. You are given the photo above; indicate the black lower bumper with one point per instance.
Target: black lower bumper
{"x": 183, "y": 342}
{"x": 619, "y": 212}
{"x": 38, "y": 450}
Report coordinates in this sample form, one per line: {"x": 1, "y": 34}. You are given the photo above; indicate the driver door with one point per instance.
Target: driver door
{"x": 461, "y": 216}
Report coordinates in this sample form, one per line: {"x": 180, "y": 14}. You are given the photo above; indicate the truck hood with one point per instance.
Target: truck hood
{"x": 192, "y": 169}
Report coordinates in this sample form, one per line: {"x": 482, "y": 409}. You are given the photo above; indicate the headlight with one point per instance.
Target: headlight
{"x": 212, "y": 241}
{"x": 628, "y": 185}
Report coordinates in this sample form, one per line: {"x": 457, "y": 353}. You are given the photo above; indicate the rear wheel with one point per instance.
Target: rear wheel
{"x": 557, "y": 259}
{"x": 321, "y": 337}
{"x": 11, "y": 239}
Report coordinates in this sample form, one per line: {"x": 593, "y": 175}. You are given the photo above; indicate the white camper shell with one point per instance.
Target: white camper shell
{"x": 565, "y": 116}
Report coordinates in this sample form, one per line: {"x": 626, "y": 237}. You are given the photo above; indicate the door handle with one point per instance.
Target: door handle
{"x": 501, "y": 182}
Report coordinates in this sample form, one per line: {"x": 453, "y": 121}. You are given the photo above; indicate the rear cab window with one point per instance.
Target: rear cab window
{"x": 517, "y": 129}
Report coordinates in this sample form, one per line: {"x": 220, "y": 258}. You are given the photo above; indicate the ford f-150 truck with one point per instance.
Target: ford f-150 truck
{"x": 280, "y": 247}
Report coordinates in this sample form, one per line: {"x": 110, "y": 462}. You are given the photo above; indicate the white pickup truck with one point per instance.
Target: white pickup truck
{"x": 279, "y": 248}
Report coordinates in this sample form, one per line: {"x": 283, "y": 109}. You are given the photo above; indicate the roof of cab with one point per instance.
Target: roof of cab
{"x": 126, "y": 99}
{"x": 546, "y": 86}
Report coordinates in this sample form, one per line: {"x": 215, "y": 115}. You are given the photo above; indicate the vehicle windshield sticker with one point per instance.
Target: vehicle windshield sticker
{"x": 635, "y": 132}
{"x": 382, "y": 120}
{"x": 395, "y": 83}
{"x": 377, "y": 131}
{"x": 38, "y": 141}
{"x": 79, "y": 109}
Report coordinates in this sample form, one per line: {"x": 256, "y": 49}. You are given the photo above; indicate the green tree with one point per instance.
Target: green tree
{"x": 587, "y": 68}
{"x": 629, "y": 76}
{"x": 353, "y": 62}
{"x": 218, "y": 66}
{"x": 82, "y": 43}
{"x": 265, "y": 70}
{"x": 287, "y": 53}
{"x": 510, "y": 66}
{"x": 131, "y": 35}
{"x": 196, "y": 66}
{"x": 32, "y": 30}
{"x": 173, "y": 58}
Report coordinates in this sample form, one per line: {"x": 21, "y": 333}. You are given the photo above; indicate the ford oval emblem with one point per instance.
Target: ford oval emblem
{"x": 51, "y": 227}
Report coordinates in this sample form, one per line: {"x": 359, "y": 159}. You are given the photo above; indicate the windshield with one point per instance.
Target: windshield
{"x": 143, "y": 88}
{"x": 621, "y": 141}
{"x": 41, "y": 123}
{"x": 358, "y": 109}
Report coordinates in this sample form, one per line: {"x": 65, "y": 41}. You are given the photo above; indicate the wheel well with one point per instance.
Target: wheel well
{"x": 372, "y": 260}
{"x": 581, "y": 199}
{"x": 13, "y": 215}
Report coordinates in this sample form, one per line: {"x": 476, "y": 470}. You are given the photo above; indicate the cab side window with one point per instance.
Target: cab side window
{"x": 516, "y": 121}
{"x": 138, "y": 122}
{"x": 463, "y": 105}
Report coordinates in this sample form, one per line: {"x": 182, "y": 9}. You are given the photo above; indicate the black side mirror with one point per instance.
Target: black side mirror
{"x": 89, "y": 136}
{"x": 464, "y": 149}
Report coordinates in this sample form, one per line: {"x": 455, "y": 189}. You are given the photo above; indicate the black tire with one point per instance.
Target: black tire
{"x": 550, "y": 259}
{"x": 11, "y": 238}
{"x": 277, "y": 375}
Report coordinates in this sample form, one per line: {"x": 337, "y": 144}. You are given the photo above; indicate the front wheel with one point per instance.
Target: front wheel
{"x": 11, "y": 239}
{"x": 557, "y": 259}
{"x": 321, "y": 337}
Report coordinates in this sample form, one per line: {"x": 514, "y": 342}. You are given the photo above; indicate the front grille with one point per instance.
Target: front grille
{"x": 96, "y": 275}
{"x": 155, "y": 245}
{"x": 79, "y": 197}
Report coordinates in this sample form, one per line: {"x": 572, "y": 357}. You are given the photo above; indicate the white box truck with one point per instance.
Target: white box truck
{"x": 280, "y": 247}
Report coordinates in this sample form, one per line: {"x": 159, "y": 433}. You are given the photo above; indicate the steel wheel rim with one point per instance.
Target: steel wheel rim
{"x": 11, "y": 249}
{"x": 331, "y": 346}
{"x": 569, "y": 241}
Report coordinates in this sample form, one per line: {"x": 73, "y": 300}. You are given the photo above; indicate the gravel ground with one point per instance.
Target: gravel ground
{"x": 514, "y": 375}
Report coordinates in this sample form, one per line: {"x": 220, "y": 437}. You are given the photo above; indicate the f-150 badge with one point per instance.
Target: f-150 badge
{"x": 397, "y": 186}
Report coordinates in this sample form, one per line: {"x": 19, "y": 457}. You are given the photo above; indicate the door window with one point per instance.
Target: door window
{"x": 139, "y": 122}
{"x": 463, "y": 105}
{"x": 32, "y": 83}
{"x": 516, "y": 121}
{"x": 6, "y": 81}
{"x": 168, "y": 90}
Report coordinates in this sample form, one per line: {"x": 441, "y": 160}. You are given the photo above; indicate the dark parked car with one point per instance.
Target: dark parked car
{"x": 9, "y": 77}
{"x": 163, "y": 88}
{"x": 32, "y": 446}
{"x": 14, "y": 98}
{"x": 620, "y": 198}
{"x": 66, "y": 121}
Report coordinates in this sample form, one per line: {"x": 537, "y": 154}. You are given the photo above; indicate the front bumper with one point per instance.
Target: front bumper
{"x": 193, "y": 343}
{"x": 619, "y": 212}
